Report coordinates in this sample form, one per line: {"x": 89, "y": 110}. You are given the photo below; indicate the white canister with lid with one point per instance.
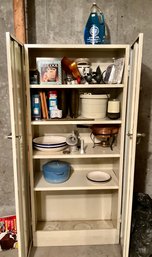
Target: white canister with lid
{"x": 93, "y": 106}
{"x": 113, "y": 110}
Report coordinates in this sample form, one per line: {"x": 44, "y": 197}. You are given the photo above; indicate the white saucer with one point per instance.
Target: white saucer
{"x": 55, "y": 149}
{"x": 98, "y": 176}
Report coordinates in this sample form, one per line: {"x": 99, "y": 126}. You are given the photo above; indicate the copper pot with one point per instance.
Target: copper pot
{"x": 104, "y": 129}
{"x": 106, "y": 134}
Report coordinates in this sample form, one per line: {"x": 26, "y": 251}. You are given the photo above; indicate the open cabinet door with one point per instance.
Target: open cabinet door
{"x": 130, "y": 141}
{"x": 15, "y": 57}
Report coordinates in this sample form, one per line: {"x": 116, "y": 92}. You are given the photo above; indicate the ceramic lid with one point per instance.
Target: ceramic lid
{"x": 90, "y": 96}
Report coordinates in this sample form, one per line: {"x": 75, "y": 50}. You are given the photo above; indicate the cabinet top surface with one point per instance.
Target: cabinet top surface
{"x": 80, "y": 46}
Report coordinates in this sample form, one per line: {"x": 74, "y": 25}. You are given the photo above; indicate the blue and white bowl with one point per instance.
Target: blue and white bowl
{"x": 49, "y": 140}
{"x": 52, "y": 143}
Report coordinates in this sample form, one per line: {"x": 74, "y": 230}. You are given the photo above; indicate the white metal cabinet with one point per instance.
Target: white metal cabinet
{"x": 15, "y": 56}
{"x": 77, "y": 212}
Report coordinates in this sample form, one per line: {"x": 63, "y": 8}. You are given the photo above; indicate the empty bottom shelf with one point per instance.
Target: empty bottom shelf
{"x": 74, "y": 225}
{"x": 61, "y": 233}
{"x": 75, "y": 251}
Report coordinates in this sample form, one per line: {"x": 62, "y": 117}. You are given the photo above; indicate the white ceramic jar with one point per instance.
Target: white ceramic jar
{"x": 113, "y": 110}
{"x": 93, "y": 106}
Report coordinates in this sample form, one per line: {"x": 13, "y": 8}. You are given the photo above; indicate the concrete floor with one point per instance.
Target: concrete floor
{"x": 63, "y": 21}
{"x": 70, "y": 251}
{"x": 9, "y": 253}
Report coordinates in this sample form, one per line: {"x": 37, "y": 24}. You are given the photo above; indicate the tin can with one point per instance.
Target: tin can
{"x": 52, "y": 101}
{"x": 36, "y": 107}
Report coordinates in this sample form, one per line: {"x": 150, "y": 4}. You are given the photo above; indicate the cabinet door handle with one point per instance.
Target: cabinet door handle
{"x": 139, "y": 136}
{"x": 10, "y": 136}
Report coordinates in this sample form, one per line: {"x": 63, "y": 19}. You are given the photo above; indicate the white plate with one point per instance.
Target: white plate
{"x": 98, "y": 176}
{"x": 49, "y": 146}
{"x": 49, "y": 140}
{"x": 55, "y": 149}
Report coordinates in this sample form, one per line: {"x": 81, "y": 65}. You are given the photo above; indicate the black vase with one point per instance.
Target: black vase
{"x": 74, "y": 103}
{"x": 63, "y": 101}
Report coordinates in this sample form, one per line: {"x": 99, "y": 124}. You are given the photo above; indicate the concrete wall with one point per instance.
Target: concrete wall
{"x": 62, "y": 21}
{"x": 6, "y": 170}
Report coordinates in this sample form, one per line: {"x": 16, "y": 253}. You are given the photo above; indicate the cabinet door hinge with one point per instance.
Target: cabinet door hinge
{"x": 130, "y": 134}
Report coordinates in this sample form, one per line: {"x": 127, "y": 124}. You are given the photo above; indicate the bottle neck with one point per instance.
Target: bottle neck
{"x": 94, "y": 8}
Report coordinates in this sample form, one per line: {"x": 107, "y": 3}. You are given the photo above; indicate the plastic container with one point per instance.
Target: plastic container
{"x": 113, "y": 110}
{"x": 94, "y": 32}
{"x": 93, "y": 106}
{"x": 56, "y": 171}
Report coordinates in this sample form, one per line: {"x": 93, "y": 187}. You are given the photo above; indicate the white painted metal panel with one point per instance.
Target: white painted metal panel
{"x": 20, "y": 151}
{"x": 130, "y": 141}
{"x": 77, "y": 181}
{"x": 77, "y": 237}
{"x": 19, "y": 146}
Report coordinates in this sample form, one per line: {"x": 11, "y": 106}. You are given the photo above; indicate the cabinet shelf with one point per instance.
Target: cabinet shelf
{"x": 76, "y": 233}
{"x": 97, "y": 152}
{"x": 79, "y": 120}
{"x": 74, "y": 225}
{"x": 77, "y": 181}
{"x": 79, "y": 86}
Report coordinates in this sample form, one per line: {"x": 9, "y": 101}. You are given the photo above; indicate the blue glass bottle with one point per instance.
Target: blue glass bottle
{"x": 94, "y": 32}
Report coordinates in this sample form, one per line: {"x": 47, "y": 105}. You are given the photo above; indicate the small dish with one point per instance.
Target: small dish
{"x": 98, "y": 176}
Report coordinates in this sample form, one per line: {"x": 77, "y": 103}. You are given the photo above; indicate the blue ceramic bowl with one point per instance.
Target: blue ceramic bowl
{"x": 56, "y": 171}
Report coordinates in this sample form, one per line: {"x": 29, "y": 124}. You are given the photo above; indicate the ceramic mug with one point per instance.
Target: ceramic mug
{"x": 83, "y": 65}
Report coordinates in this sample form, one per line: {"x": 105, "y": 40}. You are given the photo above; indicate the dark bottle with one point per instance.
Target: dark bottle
{"x": 63, "y": 101}
{"x": 34, "y": 77}
{"x": 74, "y": 103}
{"x": 94, "y": 32}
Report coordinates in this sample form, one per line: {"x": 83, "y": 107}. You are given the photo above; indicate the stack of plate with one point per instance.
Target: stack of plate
{"x": 50, "y": 143}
